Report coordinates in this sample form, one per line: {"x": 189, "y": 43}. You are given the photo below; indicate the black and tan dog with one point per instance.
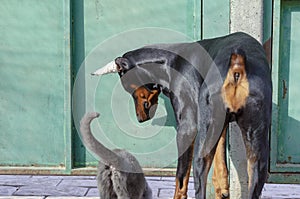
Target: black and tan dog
{"x": 210, "y": 83}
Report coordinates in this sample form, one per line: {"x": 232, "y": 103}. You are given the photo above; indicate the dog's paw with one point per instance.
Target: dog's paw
{"x": 225, "y": 195}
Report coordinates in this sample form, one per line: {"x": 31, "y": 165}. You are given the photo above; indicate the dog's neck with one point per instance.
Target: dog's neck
{"x": 162, "y": 65}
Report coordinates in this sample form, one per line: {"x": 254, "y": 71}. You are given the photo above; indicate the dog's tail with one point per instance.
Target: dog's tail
{"x": 107, "y": 156}
{"x": 237, "y": 66}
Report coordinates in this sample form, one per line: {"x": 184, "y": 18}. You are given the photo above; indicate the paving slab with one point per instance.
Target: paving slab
{"x": 53, "y": 197}
{"x": 164, "y": 193}
{"x": 48, "y": 177}
{"x": 36, "y": 190}
{"x": 93, "y": 192}
{"x": 22, "y": 197}
{"x": 28, "y": 180}
{"x": 14, "y": 176}
{"x": 154, "y": 178}
{"x": 159, "y": 184}
{"x": 168, "y": 193}
{"x": 12, "y": 180}
{"x": 275, "y": 191}
{"x": 78, "y": 183}
{"x": 7, "y": 190}
{"x": 78, "y": 177}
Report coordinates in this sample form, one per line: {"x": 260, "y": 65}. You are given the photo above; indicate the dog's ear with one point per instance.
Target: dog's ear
{"x": 122, "y": 63}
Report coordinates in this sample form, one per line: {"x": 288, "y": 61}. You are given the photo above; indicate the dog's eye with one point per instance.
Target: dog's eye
{"x": 146, "y": 105}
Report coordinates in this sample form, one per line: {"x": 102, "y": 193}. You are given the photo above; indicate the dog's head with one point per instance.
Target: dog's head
{"x": 144, "y": 92}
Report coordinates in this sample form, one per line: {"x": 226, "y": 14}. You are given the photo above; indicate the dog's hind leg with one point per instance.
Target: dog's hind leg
{"x": 220, "y": 174}
{"x": 254, "y": 125}
{"x": 213, "y": 118}
{"x": 204, "y": 155}
{"x": 257, "y": 149}
{"x": 201, "y": 169}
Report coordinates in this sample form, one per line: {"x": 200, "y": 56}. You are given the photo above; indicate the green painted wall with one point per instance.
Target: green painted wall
{"x": 35, "y": 81}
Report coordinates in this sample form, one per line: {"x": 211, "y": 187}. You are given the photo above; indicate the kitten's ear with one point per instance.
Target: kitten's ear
{"x": 122, "y": 63}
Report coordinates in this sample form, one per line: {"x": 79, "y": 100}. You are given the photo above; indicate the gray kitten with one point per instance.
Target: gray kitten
{"x": 120, "y": 175}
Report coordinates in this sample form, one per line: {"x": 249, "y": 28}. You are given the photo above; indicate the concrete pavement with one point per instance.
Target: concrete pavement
{"x": 71, "y": 187}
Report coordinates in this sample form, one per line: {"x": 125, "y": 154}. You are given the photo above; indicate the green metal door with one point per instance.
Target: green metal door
{"x": 104, "y": 30}
{"x": 35, "y": 86}
{"x": 285, "y": 150}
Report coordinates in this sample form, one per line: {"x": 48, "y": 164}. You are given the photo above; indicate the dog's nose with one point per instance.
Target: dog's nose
{"x": 139, "y": 118}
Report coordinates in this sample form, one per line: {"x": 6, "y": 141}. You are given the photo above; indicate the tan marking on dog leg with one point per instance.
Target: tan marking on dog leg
{"x": 220, "y": 174}
{"x": 216, "y": 184}
{"x": 235, "y": 89}
{"x": 252, "y": 175}
{"x": 182, "y": 193}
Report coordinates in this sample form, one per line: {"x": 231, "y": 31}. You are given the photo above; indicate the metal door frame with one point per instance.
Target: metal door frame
{"x": 279, "y": 173}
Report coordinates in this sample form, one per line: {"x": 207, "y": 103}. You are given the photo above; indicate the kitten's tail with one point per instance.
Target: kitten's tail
{"x": 108, "y": 156}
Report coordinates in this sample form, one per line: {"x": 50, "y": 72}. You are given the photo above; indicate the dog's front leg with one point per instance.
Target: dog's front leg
{"x": 183, "y": 173}
{"x": 185, "y": 144}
